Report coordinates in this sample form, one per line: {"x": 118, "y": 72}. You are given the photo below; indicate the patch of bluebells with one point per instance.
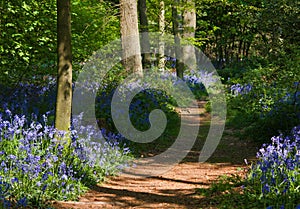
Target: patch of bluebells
{"x": 139, "y": 108}
{"x": 288, "y": 100}
{"x": 103, "y": 148}
{"x": 170, "y": 61}
{"x": 28, "y": 98}
{"x": 150, "y": 98}
{"x": 35, "y": 166}
{"x": 273, "y": 108}
{"x": 37, "y": 162}
{"x": 283, "y": 107}
{"x": 239, "y": 89}
{"x": 278, "y": 167}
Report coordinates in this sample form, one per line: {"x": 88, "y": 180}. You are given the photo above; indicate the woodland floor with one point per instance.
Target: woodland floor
{"x": 176, "y": 188}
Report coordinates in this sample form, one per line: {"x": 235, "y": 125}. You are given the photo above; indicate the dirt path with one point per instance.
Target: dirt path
{"x": 176, "y": 188}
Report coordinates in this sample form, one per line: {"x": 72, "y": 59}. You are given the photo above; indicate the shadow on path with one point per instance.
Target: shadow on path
{"x": 177, "y": 187}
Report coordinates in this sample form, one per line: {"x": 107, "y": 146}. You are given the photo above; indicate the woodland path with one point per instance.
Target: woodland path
{"x": 176, "y": 188}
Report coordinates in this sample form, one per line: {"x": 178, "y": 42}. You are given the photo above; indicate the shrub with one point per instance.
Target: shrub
{"x": 264, "y": 102}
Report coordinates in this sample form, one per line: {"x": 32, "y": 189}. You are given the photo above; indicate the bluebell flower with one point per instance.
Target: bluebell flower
{"x": 14, "y": 180}
{"x": 6, "y": 204}
{"x": 45, "y": 177}
{"x": 277, "y": 162}
{"x": 44, "y": 187}
{"x": 22, "y": 202}
{"x": 4, "y": 189}
{"x": 8, "y": 112}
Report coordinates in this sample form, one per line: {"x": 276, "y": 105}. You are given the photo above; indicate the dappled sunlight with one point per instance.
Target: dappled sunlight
{"x": 176, "y": 188}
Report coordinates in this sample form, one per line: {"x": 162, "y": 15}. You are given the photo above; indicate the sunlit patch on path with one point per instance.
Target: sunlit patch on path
{"x": 177, "y": 187}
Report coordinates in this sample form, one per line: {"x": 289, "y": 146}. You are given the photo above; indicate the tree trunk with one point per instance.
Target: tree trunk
{"x": 247, "y": 49}
{"x": 129, "y": 34}
{"x": 240, "y": 50}
{"x": 226, "y": 54}
{"x": 64, "y": 79}
{"x": 244, "y": 49}
{"x": 189, "y": 25}
{"x": 161, "y": 23}
{"x": 145, "y": 44}
{"x": 177, "y": 37}
{"x": 232, "y": 49}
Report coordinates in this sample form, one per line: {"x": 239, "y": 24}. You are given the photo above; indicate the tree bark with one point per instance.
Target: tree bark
{"x": 64, "y": 79}
{"x": 145, "y": 44}
{"x": 189, "y": 26}
{"x": 161, "y": 24}
{"x": 129, "y": 34}
{"x": 177, "y": 37}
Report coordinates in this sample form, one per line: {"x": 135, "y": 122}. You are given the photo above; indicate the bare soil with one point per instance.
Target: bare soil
{"x": 176, "y": 188}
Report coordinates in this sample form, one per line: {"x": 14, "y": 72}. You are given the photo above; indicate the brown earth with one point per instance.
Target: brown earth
{"x": 177, "y": 187}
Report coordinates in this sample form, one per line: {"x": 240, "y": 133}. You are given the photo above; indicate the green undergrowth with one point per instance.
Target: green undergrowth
{"x": 229, "y": 192}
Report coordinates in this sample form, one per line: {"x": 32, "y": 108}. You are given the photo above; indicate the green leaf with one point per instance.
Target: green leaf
{"x": 17, "y": 34}
{"x": 10, "y": 25}
{"x": 26, "y": 6}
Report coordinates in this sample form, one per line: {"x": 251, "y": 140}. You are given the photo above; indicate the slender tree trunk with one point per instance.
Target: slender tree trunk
{"x": 244, "y": 49}
{"x": 189, "y": 24}
{"x": 161, "y": 23}
{"x": 145, "y": 44}
{"x": 64, "y": 80}
{"x": 177, "y": 37}
{"x": 232, "y": 49}
{"x": 248, "y": 49}
{"x": 129, "y": 34}
{"x": 240, "y": 49}
{"x": 220, "y": 59}
{"x": 226, "y": 54}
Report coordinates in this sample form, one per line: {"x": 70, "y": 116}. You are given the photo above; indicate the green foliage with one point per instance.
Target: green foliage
{"x": 27, "y": 39}
{"x": 271, "y": 102}
{"x": 233, "y": 191}
{"x": 153, "y": 15}
{"x": 28, "y": 36}
{"x": 232, "y": 31}
{"x": 227, "y": 28}
{"x": 279, "y": 26}
{"x": 94, "y": 24}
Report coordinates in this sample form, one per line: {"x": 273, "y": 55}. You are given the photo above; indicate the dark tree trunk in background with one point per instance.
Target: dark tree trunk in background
{"x": 129, "y": 34}
{"x": 145, "y": 44}
{"x": 64, "y": 79}
{"x": 177, "y": 37}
